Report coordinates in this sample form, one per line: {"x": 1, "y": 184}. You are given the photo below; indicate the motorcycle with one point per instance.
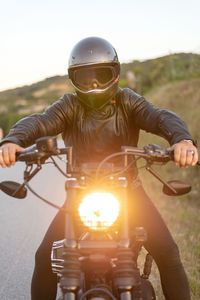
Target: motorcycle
{"x": 97, "y": 259}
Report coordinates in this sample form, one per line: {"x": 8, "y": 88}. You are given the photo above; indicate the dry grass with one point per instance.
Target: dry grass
{"x": 183, "y": 98}
{"x": 181, "y": 214}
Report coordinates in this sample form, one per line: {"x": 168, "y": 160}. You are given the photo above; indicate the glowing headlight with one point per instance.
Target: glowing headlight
{"x": 99, "y": 210}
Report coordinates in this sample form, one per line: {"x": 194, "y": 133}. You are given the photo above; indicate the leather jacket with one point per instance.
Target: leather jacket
{"x": 95, "y": 133}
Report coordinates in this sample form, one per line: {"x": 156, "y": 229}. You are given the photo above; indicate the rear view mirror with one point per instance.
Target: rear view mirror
{"x": 179, "y": 187}
{"x": 13, "y": 189}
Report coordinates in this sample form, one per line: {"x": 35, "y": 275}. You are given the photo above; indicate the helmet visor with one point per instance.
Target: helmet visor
{"x": 100, "y": 77}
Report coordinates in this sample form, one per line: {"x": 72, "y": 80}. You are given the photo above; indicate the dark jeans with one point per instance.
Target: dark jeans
{"x": 160, "y": 245}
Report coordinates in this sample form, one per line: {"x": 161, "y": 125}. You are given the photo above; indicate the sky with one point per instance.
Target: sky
{"x": 36, "y": 37}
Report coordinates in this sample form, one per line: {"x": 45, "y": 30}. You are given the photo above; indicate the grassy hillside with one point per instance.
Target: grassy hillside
{"x": 159, "y": 71}
{"x": 183, "y": 98}
{"x": 40, "y": 93}
{"x": 20, "y": 102}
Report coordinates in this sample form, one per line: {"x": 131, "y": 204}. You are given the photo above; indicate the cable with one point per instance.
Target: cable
{"x": 63, "y": 160}
{"x": 111, "y": 156}
{"x": 44, "y": 200}
{"x": 121, "y": 171}
{"x": 59, "y": 169}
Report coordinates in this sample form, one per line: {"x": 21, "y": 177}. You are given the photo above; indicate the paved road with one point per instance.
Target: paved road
{"x": 23, "y": 223}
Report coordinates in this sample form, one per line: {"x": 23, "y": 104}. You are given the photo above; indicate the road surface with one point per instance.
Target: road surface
{"x": 23, "y": 223}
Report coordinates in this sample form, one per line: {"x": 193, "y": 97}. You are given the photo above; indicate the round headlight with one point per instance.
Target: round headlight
{"x": 99, "y": 210}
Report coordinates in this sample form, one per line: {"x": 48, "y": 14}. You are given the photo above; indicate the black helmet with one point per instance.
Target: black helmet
{"x": 94, "y": 70}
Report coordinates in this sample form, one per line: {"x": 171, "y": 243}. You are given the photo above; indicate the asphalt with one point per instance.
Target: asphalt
{"x": 23, "y": 223}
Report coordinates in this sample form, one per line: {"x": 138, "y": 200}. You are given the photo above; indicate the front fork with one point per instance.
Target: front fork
{"x": 71, "y": 272}
{"x": 126, "y": 275}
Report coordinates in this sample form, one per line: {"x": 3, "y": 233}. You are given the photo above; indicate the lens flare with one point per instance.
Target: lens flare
{"x": 99, "y": 211}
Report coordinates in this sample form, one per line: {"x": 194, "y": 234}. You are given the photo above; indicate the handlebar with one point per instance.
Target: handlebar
{"x": 152, "y": 152}
{"x": 33, "y": 155}
{"x": 43, "y": 149}
{"x": 47, "y": 147}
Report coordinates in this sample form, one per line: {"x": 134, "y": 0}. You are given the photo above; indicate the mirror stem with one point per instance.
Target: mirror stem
{"x": 156, "y": 175}
{"x": 27, "y": 177}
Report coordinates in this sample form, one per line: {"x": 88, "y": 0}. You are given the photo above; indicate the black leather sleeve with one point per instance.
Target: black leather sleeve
{"x": 50, "y": 123}
{"x": 158, "y": 121}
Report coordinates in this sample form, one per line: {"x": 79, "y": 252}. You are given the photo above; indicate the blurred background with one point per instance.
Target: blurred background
{"x": 158, "y": 44}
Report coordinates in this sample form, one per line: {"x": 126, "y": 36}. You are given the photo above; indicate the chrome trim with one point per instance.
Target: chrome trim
{"x": 56, "y": 256}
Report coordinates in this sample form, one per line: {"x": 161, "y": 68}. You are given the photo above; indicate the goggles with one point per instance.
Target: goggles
{"x": 84, "y": 78}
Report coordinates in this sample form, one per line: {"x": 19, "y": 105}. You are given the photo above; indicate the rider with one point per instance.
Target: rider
{"x": 97, "y": 120}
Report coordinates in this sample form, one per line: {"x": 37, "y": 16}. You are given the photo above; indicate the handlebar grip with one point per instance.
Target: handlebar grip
{"x": 28, "y": 156}
{"x": 28, "y": 150}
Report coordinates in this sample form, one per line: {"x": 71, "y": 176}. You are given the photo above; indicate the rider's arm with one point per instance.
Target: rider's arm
{"x": 24, "y": 133}
{"x": 164, "y": 123}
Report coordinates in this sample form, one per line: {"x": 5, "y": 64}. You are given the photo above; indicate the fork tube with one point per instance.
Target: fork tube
{"x": 71, "y": 185}
{"x": 124, "y": 233}
{"x": 70, "y": 274}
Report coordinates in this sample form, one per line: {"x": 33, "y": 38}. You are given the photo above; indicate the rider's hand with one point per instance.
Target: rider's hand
{"x": 185, "y": 154}
{"x": 7, "y": 154}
